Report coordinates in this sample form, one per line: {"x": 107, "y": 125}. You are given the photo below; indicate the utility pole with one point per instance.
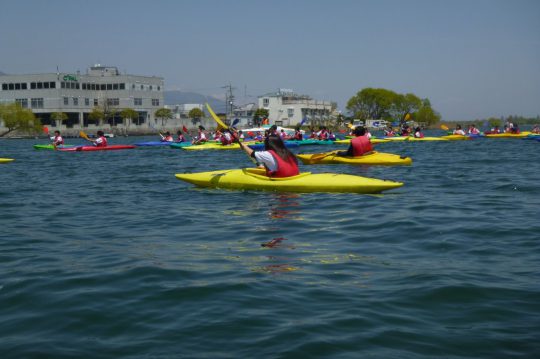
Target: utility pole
{"x": 229, "y": 100}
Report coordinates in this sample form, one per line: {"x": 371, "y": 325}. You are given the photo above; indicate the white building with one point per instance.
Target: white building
{"x": 182, "y": 110}
{"x": 245, "y": 114}
{"x": 285, "y": 108}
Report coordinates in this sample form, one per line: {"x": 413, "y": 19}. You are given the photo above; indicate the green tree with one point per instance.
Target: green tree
{"x": 195, "y": 114}
{"x": 426, "y": 115}
{"x": 59, "y": 116}
{"x": 129, "y": 114}
{"x": 494, "y": 121}
{"x": 371, "y": 103}
{"x": 404, "y": 104}
{"x": 97, "y": 115}
{"x": 164, "y": 114}
{"x": 19, "y": 119}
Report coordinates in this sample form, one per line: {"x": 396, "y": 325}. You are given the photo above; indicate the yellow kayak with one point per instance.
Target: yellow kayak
{"x": 426, "y": 139}
{"x": 6, "y": 160}
{"x": 509, "y": 135}
{"x": 456, "y": 137}
{"x": 374, "y": 158}
{"x": 254, "y": 179}
{"x": 212, "y": 146}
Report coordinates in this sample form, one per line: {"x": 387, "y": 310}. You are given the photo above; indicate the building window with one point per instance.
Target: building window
{"x": 11, "y": 86}
{"x": 95, "y": 102}
{"x": 103, "y": 87}
{"x": 150, "y": 87}
{"x": 137, "y": 101}
{"x": 290, "y": 112}
{"x": 109, "y": 87}
{"x": 46, "y": 85}
{"x": 133, "y": 87}
{"x": 87, "y": 102}
{"x": 33, "y": 85}
{"x": 4, "y": 87}
{"x": 66, "y": 101}
{"x": 142, "y": 87}
{"x": 113, "y": 101}
{"x": 155, "y": 102}
{"x": 115, "y": 86}
{"x": 52, "y": 85}
{"x": 37, "y": 102}
{"x": 266, "y": 102}
{"x": 17, "y": 86}
{"x": 62, "y": 84}
{"x": 159, "y": 88}
{"x": 23, "y": 102}
{"x": 122, "y": 86}
{"x": 40, "y": 85}
{"x": 75, "y": 101}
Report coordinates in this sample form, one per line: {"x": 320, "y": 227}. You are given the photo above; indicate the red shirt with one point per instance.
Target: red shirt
{"x": 285, "y": 168}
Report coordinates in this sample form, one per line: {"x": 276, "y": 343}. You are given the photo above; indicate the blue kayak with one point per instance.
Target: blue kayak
{"x": 260, "y": 146}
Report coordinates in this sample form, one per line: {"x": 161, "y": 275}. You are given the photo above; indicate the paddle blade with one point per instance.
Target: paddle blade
{"x": 407, "y": 116}
{"x": 444, "y": 127}
{"x": 235, "y": 122}
{"x": 215, "y": 117}
{"x": 184, "y": 128}
{"x": 45, "y": 130}
{"x": 84, "y": 135}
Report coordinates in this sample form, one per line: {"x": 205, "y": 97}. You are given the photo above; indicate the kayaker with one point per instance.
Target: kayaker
{"x": 167, "y": 138}
{"x": 284, "y": 136}
{"x": 389, "y": 131}
{"x": 418, "y": 133}
{"x": 473, "y": 130}
{"x": 495, "y": 130}
{"x": 101, "y": 140}
{"x": 57, "y": 140}
{"x": 458, "y": 131}
{"x": 276, "y": 158}
{"x": 535, "y": 129}
{"x": 359, "y": 146}
{"x": 258, "y": 136}
{"x": 226, "y": 138}
{"x": 298, "y": 134}
{"x": 201, "y": 136}
{"x": 180, "y": 136}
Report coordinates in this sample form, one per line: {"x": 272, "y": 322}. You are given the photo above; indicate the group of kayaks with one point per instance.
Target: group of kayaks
{"x": 255, "y": 178}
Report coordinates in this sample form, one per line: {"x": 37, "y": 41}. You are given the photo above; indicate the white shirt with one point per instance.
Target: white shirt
{"x": 267, "y": 159}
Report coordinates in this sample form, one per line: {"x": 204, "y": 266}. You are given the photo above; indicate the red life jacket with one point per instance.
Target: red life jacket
{"x": 103, "y": 142}
{"x": 361, "y": 145}
{"x": 284, "y": 168}
{"x": 58, "y": 140}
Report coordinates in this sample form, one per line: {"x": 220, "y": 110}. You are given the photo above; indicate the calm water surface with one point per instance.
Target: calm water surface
{"x": 108, "y": 255}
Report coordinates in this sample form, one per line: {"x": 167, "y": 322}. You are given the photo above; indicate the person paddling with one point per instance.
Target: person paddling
{"x": 458, "y": 131}
{"x": 276, "y": 158}
{"x": 418, "y": 133}
{"x": 359, "y": 146}
{"x": 100, "y": 141}
{"x": 167, "y": 138}
{"x": 57, "y": 140}
{"x": 180, "y": 136}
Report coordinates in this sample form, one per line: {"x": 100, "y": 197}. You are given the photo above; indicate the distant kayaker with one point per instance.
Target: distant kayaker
{"x": 226, "y": 138}
{"x": 284, "y": 136}
{"x": 276, "y": 158}
{"x": 418, "y": 133}
{"x": 389, "y": 131}
{"x": 201, "y": 136}
{"x": 167, "y": 138}
{"x": 458, "y": 131}
{"x": 359, "y": 146}
{"x": 473, "y": 130}
{"x": 101, "y": 140}
{"x": 298, "y": 134}
{"x": 57, "y": 140}
{"x": 535, "y": 129}
{"x": 180, "y": 136}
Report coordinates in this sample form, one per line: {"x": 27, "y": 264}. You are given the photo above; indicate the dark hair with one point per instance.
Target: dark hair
{"x": 359, "y": 131}
{"x": 58, "y": 132}
{"x": 100, "y": 133}
{"x": 168, "y": 133}
{"x": 201, "y": 128}
{"x": 275, "y": 143}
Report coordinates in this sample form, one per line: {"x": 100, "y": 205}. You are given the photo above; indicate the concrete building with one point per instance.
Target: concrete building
{"x": 181, "y": 111}
{"x": 245, "y": 114}
{"x": 285, "y": 108}
{"x": 77, "y": 94}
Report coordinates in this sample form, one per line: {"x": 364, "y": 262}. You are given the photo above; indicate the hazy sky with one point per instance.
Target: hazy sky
{"x": 472, "y": 59}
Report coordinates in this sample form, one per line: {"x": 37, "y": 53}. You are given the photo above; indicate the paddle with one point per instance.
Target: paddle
{"x": 444, "y": 127}
{"x": 319, "y": 156}
{"x": 84, "y": 135}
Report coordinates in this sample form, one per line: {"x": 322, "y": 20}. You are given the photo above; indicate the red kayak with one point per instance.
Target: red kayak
{"x": 95, "y": 148}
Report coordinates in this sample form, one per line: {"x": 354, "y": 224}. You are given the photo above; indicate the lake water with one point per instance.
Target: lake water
{"x": 107, "y": 254}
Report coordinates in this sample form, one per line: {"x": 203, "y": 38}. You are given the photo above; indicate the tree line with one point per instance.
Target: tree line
{"x": 383, "y": 104}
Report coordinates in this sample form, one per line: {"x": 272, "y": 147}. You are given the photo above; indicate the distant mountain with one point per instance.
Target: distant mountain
{"x": 2, "y": 73}
{"x": 179, "y": 97}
